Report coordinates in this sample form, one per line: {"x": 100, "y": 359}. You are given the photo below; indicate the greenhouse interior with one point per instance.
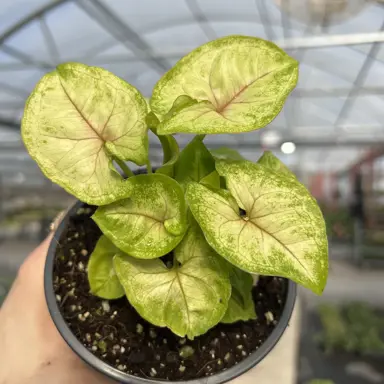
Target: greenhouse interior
{"x": 330, "y": 133}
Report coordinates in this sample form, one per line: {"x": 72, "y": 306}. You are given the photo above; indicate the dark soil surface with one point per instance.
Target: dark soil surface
{"x": 115, "y": 332}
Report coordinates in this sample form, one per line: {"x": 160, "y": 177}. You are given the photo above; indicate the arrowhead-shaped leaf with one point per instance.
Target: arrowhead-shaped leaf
{"x": 76, "y": 120}
{"x": 101, "y": 273}
{"x": 195, "y": 162}
{"x": 240, "y": 306}
{"x": 282, "y": 233}
{"x": 151, "y": 222}
{"x": 237, "y": 84}
{"x": 189, "y": 298}
{"x": 270, "y": 161}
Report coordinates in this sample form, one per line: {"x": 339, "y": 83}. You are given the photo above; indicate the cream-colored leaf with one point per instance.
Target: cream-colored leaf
{"x": 237, "y": 83}
{"x": 151, "y": 222}
{"x": 190, "y": 298}
{"x": 76, "y": 120}
{"x": 270, "y": 161}
{"x": 282, "y": 233}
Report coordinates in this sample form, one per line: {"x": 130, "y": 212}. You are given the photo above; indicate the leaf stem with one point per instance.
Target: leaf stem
{"x": 149, "y": 167}
{"x": 124, "y": 168}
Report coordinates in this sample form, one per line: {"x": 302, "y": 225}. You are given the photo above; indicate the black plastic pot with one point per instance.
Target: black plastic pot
{"x": 123, "y": 377}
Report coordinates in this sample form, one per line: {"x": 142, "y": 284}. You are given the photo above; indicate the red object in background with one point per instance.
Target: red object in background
{"x": 316, "y": 185}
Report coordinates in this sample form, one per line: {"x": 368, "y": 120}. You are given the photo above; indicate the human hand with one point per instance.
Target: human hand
{"x": 31, "y": 349}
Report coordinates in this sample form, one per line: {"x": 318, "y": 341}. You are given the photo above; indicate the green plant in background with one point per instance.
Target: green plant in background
{"x": 218, "y": 216}
{"x": 321, "y": 381}
{"x": 335, "y": 333}
{"x": 339, "y": 223}
{"x": 355, "y": 328}
{"x": 365, "y": 329}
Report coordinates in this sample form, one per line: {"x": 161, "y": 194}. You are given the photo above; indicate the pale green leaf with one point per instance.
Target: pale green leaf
{"x": 195, "y": 162}
{"x": 282, "y": 233}
{"x": 241, "y": 305}
{"x": 151, "y": 222}
{"x": 225, "y": 153}
{"x": 237, "y": 84}
{"x": 270, "y": 161}
{"x": 189, "y": 298}
{"x": 76, "y": 121}
{"x": 102, "y": 277}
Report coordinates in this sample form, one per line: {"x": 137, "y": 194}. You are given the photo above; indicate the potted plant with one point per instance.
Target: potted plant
{"x": 182, "y": 244}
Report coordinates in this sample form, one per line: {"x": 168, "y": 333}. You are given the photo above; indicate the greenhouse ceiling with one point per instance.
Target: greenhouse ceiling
{"x": 332, "y": 116}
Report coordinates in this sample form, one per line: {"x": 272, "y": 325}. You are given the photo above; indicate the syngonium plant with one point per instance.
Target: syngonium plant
{"x": 221, "y": 217}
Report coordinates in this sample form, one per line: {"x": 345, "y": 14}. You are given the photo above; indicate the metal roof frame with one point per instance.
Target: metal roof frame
{"x": 122, "y": 32}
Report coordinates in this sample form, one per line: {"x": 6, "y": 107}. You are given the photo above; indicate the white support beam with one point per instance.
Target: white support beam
{"x": 289, "y": 43}
{"x": 331, "y": 40}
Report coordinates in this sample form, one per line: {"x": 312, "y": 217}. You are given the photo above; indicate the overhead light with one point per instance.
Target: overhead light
{"x": 270, "y": 139}
{"x": 288, "y": 147}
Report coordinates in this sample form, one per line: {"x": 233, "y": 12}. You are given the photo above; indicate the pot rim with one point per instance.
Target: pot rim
{"x": 113, "y": 373}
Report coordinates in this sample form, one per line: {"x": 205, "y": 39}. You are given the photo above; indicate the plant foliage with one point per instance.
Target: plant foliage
{"x": 217, "y": 216}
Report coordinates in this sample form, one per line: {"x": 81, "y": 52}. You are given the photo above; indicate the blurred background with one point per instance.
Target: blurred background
{"x": 330, "y": 133}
